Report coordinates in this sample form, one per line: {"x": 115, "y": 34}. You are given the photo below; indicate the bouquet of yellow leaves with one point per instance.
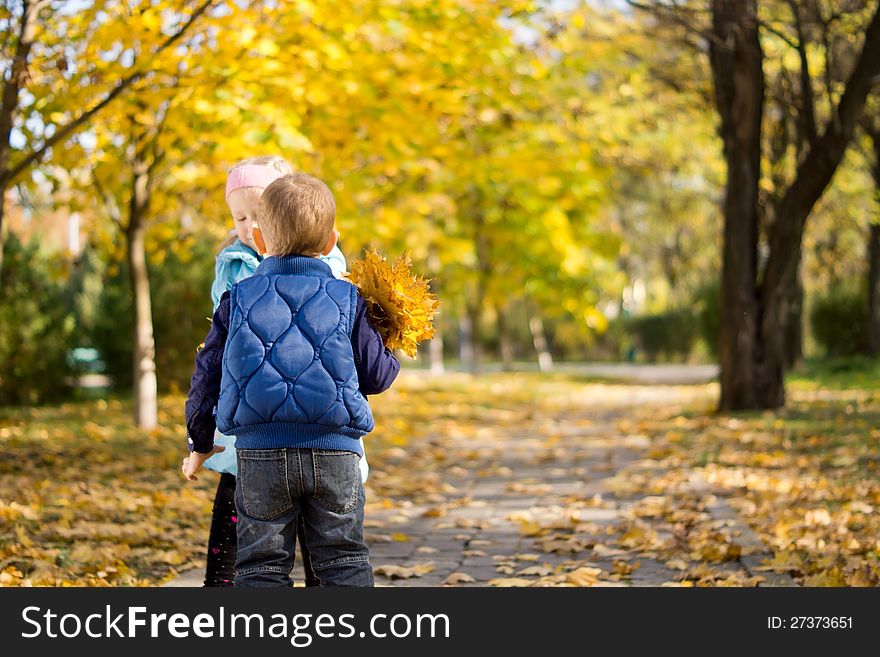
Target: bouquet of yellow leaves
{"x": 399, "y": 303}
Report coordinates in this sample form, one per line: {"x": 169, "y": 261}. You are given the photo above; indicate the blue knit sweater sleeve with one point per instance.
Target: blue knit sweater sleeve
{"x": 204, "y": 389}
{"x": 376, "y": 366}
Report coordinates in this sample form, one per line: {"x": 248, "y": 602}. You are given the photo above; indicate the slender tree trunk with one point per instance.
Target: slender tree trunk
{"x": 435, "y": 346}
{"x": 435, "y": 353}
{"x": 474, "y": 313}
{"x": 536, "y": 326}
{"x": 738, "y": 76}
{"x": 145, "y": 385}
{"x": 873, "y": 346}
{"x": 794, "y": 323}
{"x": 484, "y": 271}
{"x": 465, "y": 343}
{"x": 505, "y": 343}
{"x": 2, "y": 229}
{"x": 13, "y": 81}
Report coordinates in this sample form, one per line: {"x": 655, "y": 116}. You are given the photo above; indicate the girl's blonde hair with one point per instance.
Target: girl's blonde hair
{"x": 274, "y": 161}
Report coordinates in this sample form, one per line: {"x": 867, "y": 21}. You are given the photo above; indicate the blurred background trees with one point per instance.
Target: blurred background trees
{"x": 559, "y": 169}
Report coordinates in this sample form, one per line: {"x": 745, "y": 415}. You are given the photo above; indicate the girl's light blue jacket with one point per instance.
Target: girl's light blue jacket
{"x": 234, "y": 263}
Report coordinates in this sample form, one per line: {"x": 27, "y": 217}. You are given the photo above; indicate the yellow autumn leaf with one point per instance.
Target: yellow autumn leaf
{"x": 621, "y": 567}
{"x": 506, "y": 582}
{"x": 784, "y": 561}
{"x": 458, "y": 578}
{"x": 583, "y": 576}
{"x": 540, "y": 571}
{"x": 833, "y": 577}
{"x": 404, "y": 572}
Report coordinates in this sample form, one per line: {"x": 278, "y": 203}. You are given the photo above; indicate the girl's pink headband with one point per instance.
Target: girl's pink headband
{"x": 251, "y": 175}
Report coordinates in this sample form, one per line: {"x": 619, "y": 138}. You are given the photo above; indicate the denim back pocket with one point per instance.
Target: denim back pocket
{"x": 337, "y": 480}
{"x": 262, "y": 483}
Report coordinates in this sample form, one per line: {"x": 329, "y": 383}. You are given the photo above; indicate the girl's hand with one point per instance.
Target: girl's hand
{"x": 193, "y": 463}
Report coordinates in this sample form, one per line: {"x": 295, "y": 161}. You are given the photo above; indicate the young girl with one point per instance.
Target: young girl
{"x": 238, "y": 259}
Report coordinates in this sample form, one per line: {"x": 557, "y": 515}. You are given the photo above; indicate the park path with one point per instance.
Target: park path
{"x": 532, "y": 498}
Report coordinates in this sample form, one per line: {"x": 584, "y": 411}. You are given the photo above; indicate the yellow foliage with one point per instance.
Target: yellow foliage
{"x": 400, "y": 304}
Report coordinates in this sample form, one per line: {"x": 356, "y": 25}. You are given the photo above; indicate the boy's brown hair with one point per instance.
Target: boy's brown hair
{"x": 296, "y": 215}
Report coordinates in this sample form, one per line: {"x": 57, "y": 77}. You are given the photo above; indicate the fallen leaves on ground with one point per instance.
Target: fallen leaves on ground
{"x": 87, "y": 500}
{"x": 804, "y": 477}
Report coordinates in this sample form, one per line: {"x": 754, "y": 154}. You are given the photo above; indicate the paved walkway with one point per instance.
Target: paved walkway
{"x": 538, "y": 503}
{"x": 645, "y": 374}
{"x": 635, "y": 373}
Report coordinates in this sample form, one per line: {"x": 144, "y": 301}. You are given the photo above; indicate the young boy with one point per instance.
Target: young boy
{"x": 291, "y": 356}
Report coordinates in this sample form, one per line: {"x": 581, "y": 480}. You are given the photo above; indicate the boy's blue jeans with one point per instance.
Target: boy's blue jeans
{"x": 276, "y": 487}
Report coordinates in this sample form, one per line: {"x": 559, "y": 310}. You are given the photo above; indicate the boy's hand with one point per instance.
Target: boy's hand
{"x": 193, "y": 463}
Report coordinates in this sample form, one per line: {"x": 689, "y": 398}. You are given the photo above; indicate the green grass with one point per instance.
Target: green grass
{"x": 857, "y": 372}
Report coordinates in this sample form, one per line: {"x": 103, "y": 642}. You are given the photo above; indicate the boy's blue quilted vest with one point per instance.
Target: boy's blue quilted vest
{"x": 289, "y": 377}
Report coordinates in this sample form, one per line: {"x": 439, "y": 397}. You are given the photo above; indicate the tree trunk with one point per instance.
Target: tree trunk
{"x": 145, "y": 385}
{"x": 505, "y": 343}
{"x": 2, "y": 229}
{"x": 483, "y": 272}
{"x": 466, "y": 345}
{"x": 754, "y": 319}
{"x": 536, "y": 326}
{"x": 13, "y": 80}
{"x": 873, "y": 330}
{"x": 794, "y": 323}
{"x": 473, "y": 311}
{"x": 738, "y": 77}
{"x": 435, "y": 346}
{"x": 813, "y": 176}
{"x": 435, "y": 353}
{"x": 873, "y": 346}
